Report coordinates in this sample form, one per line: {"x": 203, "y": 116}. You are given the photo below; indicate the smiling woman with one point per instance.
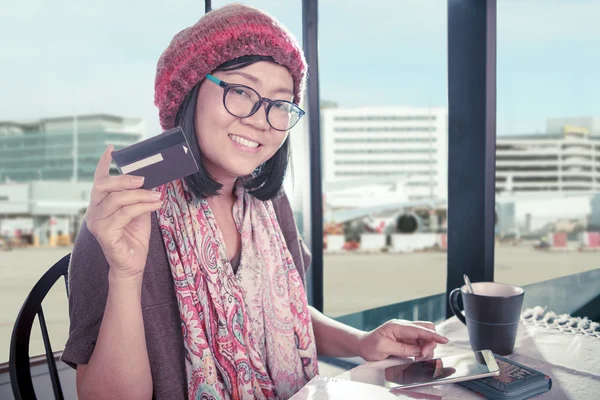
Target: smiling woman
{"x": 197, "y": 289}
{"x": 233, "y": 145}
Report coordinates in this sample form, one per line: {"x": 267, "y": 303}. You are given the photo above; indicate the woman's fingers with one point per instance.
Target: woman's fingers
{"x": 105, "y": 186}
{"x": 425, "y": 324}
{"x": 427, "y": 350}
{"x": 403, "y": 331}
{"x": 117, "y": 200}
{"x": 400, "y": 349}
{"x": 126, "y": 214}
{"x": 103, "y": 167}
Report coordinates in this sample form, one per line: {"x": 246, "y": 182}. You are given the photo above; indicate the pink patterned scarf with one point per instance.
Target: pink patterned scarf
{"x": 246, "y": 335}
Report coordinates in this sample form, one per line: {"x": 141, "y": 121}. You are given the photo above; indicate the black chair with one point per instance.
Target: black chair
{"x": 19, "y": 367}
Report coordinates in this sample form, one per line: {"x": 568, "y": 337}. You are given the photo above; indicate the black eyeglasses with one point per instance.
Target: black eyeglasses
{"x": 243, "y": 101}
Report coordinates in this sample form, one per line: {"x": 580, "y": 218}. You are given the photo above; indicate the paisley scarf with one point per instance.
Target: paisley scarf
{"x": 246, "y": 335}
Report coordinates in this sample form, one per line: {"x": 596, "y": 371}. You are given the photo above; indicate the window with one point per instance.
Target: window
{"x": 100, "y": 93}
{"x": 548, "y": 129}
{"x": 383, "y": 144}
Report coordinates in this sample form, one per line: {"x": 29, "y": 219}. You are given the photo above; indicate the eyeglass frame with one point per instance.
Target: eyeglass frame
{"x": 228, "y": 86}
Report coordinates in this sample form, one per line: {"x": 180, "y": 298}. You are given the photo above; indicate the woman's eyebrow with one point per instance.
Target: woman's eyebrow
{"x": 255, "y": 80}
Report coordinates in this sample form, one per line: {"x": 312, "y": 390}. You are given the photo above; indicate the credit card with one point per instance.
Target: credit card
{"x": 159, "y": 159}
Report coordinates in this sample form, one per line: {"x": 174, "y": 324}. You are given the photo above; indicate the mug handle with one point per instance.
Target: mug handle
{"x": 453, "y": 300}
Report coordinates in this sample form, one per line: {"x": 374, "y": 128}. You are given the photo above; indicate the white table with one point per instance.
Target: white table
{"x": 571, "y": 360}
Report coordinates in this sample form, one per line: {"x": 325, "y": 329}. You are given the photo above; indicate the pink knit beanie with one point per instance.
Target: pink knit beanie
{"x": 222, "y": 35}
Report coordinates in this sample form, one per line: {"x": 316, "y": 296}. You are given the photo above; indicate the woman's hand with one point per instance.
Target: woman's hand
{"x": 119, "y": 218}
{"x": 400, "y": 338}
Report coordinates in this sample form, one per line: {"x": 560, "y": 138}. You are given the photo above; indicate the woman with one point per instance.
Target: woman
{"x": 215, "y": 256}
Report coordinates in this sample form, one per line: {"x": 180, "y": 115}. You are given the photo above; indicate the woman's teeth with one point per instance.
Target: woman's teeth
{"x": 243, "y": 142}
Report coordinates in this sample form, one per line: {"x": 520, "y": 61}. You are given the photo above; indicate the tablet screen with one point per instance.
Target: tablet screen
{"x": 438, "y": 370}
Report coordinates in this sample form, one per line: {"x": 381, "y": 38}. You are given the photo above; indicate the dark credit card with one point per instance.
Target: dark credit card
{"x": 159, "y": 159}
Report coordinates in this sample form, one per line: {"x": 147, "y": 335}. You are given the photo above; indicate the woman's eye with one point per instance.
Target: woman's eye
{"x": 241, "y": 92}
{"x": 282, "y": 107}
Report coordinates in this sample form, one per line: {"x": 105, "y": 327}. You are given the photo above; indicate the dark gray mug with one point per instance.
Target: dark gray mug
{"x": 492, "y": 314}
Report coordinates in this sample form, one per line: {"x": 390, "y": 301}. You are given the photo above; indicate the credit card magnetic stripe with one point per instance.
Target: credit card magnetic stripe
{"x": 141, "y": 163}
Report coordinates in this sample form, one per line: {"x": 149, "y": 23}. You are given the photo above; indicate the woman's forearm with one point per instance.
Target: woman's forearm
{"x": 119, "y": 367}
{"x": 335, "y": 339}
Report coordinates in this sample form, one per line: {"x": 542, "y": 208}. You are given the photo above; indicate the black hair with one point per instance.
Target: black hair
{"x": 268, "y": 178}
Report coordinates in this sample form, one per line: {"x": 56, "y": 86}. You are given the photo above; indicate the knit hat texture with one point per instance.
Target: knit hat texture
{"x": 222, "y": 35}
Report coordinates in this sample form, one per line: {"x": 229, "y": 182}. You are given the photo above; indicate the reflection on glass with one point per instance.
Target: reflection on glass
{"x": 438, "y": 370}
{"x": 419, "y": 372}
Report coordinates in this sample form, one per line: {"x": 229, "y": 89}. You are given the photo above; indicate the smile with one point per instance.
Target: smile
{"x": 244, "y": 142}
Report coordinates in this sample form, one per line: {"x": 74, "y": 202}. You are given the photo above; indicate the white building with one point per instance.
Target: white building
{"x": 564, "y": 160}
{"x": 370, "y": 142}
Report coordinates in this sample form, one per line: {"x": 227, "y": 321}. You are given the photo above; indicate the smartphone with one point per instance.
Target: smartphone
{"x": 450, "y": 369}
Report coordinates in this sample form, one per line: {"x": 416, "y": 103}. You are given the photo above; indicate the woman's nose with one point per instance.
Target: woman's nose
{"x": 259, "y": 118}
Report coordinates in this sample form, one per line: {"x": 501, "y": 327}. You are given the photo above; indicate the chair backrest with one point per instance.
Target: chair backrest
{"x": 20, "y": 373}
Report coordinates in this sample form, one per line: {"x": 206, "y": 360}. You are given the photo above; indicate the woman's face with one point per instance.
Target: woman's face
{"x": 228, "y": 143}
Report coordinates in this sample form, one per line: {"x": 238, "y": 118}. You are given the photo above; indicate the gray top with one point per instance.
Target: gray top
{"x": 88, "y": 288}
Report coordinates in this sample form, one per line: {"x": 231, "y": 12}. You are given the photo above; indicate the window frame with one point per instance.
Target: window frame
{"x": 471, "y": 156}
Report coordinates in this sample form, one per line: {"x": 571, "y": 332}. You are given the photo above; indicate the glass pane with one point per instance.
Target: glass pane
{"x": 548, "y": 151}
{"x": 385, "y": 154}
{"x": 74, "y": 88}
{"x": 82, "y": 77}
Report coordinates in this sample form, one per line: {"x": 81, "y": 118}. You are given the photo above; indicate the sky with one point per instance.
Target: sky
{"x": 63, "y": 57}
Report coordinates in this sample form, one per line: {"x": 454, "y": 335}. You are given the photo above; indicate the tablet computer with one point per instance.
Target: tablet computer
{"x": 450, "y": 369}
